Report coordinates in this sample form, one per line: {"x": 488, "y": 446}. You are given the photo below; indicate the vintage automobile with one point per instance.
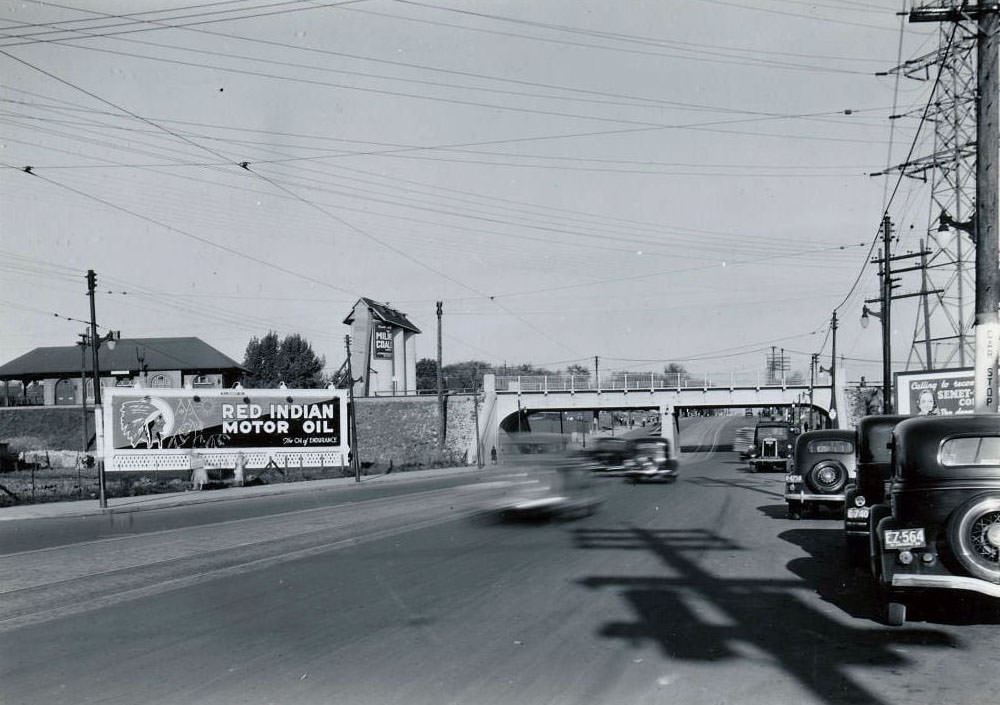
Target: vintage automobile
{"x": 869, "y": 487}
{"x": 649, "y": 461}
{"x": 772, "y": 443}
{"x": 608, "y": 454}
{"x": 823, "y": 464}
{"x": 941, "y": 528}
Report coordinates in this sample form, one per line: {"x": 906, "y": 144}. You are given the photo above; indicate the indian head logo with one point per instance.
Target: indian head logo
{"x": 146, "y": 421}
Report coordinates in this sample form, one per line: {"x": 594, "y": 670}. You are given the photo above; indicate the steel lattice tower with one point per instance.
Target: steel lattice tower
{"x": 942, "y": 336}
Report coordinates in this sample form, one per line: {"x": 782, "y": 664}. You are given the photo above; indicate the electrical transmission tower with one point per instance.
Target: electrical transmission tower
{"x": 942, "y": 336}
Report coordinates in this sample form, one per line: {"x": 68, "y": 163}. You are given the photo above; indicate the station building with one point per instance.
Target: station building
{"x": 53, "y": 376}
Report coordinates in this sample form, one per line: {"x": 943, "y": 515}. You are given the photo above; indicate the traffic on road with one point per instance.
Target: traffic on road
{"x": 696, "y": 590}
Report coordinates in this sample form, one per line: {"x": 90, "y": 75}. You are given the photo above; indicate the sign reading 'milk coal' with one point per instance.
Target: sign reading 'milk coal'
{"x": 383, "y": 341}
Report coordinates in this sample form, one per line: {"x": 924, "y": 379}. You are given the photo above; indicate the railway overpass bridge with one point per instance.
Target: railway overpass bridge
{"x": 507, "y": 400}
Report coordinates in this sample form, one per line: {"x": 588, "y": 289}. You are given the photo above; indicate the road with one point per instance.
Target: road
{"x": 699, "y": 591}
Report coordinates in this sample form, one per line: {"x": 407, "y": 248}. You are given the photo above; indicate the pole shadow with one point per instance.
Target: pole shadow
{"x": 769, "y": 614}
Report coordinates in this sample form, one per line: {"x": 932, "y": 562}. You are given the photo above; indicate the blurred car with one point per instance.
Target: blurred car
{"x": 607, "y": 454}
{"x": 772, "y": 444}
{"x": 557, "y": 484}
{"x": 823, "y": 464}
{"x": 649, "y": 461}
{"x": 869, "y": 487}
{"x": 941, "y": 528}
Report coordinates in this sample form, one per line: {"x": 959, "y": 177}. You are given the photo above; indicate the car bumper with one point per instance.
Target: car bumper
{"x": 798, "y": 496}
{"x": 651, "y": 474}
{"x": 950, "y": 582}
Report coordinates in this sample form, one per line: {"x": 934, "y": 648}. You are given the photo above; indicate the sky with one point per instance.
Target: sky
{"x": 647, "y": 182}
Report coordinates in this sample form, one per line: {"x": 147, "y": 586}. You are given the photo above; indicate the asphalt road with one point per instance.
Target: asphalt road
{"x": 694, "y": 592}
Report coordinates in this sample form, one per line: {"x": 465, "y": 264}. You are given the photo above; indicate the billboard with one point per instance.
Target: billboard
{"x": 164, "y": 429}
{"x": 383, "y": 341}
{"x": 936, "y": 392}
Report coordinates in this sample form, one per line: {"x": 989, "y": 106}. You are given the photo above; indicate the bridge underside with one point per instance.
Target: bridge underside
{"x": 510, "y": 409}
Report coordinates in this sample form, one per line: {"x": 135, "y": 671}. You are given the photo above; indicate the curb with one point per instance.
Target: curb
{"x": 127, "y": 505}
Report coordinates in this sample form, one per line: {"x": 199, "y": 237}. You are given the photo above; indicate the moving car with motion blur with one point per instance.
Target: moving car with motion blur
{"x": 874, "y": 434}
{"x": 607, "y": 454}
{"x": 941, "y": 527}
{"x": 823, "y": 463}
{"x": 556, "y": 484}
{"x": 772, "y": 444}
{"x": 649, "y": 461}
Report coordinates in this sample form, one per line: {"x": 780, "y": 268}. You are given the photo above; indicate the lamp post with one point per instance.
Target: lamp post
{"x": 883, "y": 316}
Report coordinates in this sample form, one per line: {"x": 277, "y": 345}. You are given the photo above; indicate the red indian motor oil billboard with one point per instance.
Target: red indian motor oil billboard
{"x": 165, "y": 429}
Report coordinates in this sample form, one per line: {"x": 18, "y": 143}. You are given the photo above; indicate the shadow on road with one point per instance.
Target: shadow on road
{"x": 826, "y": 570}
{"x": 759, "y": 485}
{"x": 774, "y": 511}
{"x": 707, "y": 448}
{"x": 680, "y": 611}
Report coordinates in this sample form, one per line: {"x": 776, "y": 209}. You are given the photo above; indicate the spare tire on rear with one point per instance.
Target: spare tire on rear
{"x": 826, "y": 477}
{"x": 974, "y": 536}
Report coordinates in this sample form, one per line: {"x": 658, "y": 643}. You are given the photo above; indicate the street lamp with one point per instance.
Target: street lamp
{"x": 94, "y": 341}
{"x": 886, "y": 352}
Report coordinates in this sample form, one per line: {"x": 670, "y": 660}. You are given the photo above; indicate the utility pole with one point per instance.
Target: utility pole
{"x": 475, "y": 412}
{"x": 440, "y": 381}
{"x": 95, "y": 343}
{"x": 352, "y": 430}
{"x": 597, "y": 374}
{"x": 987, "y": 322}
{"x": 884, "y": 313}
{"x": 833, "y": 372}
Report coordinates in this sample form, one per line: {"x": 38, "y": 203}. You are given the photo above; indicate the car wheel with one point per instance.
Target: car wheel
{"x": 857, "y": 553}
{"x": 895, "y": 614}
{"x": 877, "y": 513}
{"x": 974, "y": 537}
{"x": 826, "y": 477}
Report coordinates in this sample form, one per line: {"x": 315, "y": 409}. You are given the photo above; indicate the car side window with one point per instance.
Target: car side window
{"x": 971, "y": 450}
{"x": 831, "y": 447}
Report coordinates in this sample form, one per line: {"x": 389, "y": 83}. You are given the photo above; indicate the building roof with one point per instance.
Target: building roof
{"x": 383, "y": 313}
{"x": 185, "y": 354}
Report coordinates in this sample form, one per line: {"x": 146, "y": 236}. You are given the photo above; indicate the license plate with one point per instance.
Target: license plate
{"x": 793, "y": 478}
{"x": 904, "y": 538}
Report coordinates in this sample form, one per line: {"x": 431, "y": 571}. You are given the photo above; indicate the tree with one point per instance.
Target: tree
{"x": 578, "y": 371}
{"x": 676, "y": 374}
{"x": 427, "y": 370}
{"x": 292, "y": 361}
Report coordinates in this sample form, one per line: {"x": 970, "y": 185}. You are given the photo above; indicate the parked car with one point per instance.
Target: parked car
{"x": 869, "y": 487}
{"x": 941, "y": 528}
{"x": 823, "y": 463}
{"x": 649, "y": 461}
{"x": 772, "y": 443}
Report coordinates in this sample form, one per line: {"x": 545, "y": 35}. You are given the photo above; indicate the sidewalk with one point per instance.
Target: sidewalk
{"x": 124, "y": 505}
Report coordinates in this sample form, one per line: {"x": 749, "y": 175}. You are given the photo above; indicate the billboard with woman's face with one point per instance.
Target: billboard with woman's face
{"x": 936, "y": 393}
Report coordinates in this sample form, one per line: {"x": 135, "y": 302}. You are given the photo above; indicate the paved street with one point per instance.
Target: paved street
{"x": 695, "y": 592}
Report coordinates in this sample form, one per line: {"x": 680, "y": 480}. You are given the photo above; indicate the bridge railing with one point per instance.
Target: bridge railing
{"x": 639, "y": 381}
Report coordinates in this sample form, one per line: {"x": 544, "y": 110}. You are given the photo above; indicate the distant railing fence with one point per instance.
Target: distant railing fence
{"x": 640, "y": 381}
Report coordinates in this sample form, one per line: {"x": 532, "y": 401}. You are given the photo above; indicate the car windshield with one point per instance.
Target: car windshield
{"x": 772, "y": 432}
{"x": 878, "y": 443}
